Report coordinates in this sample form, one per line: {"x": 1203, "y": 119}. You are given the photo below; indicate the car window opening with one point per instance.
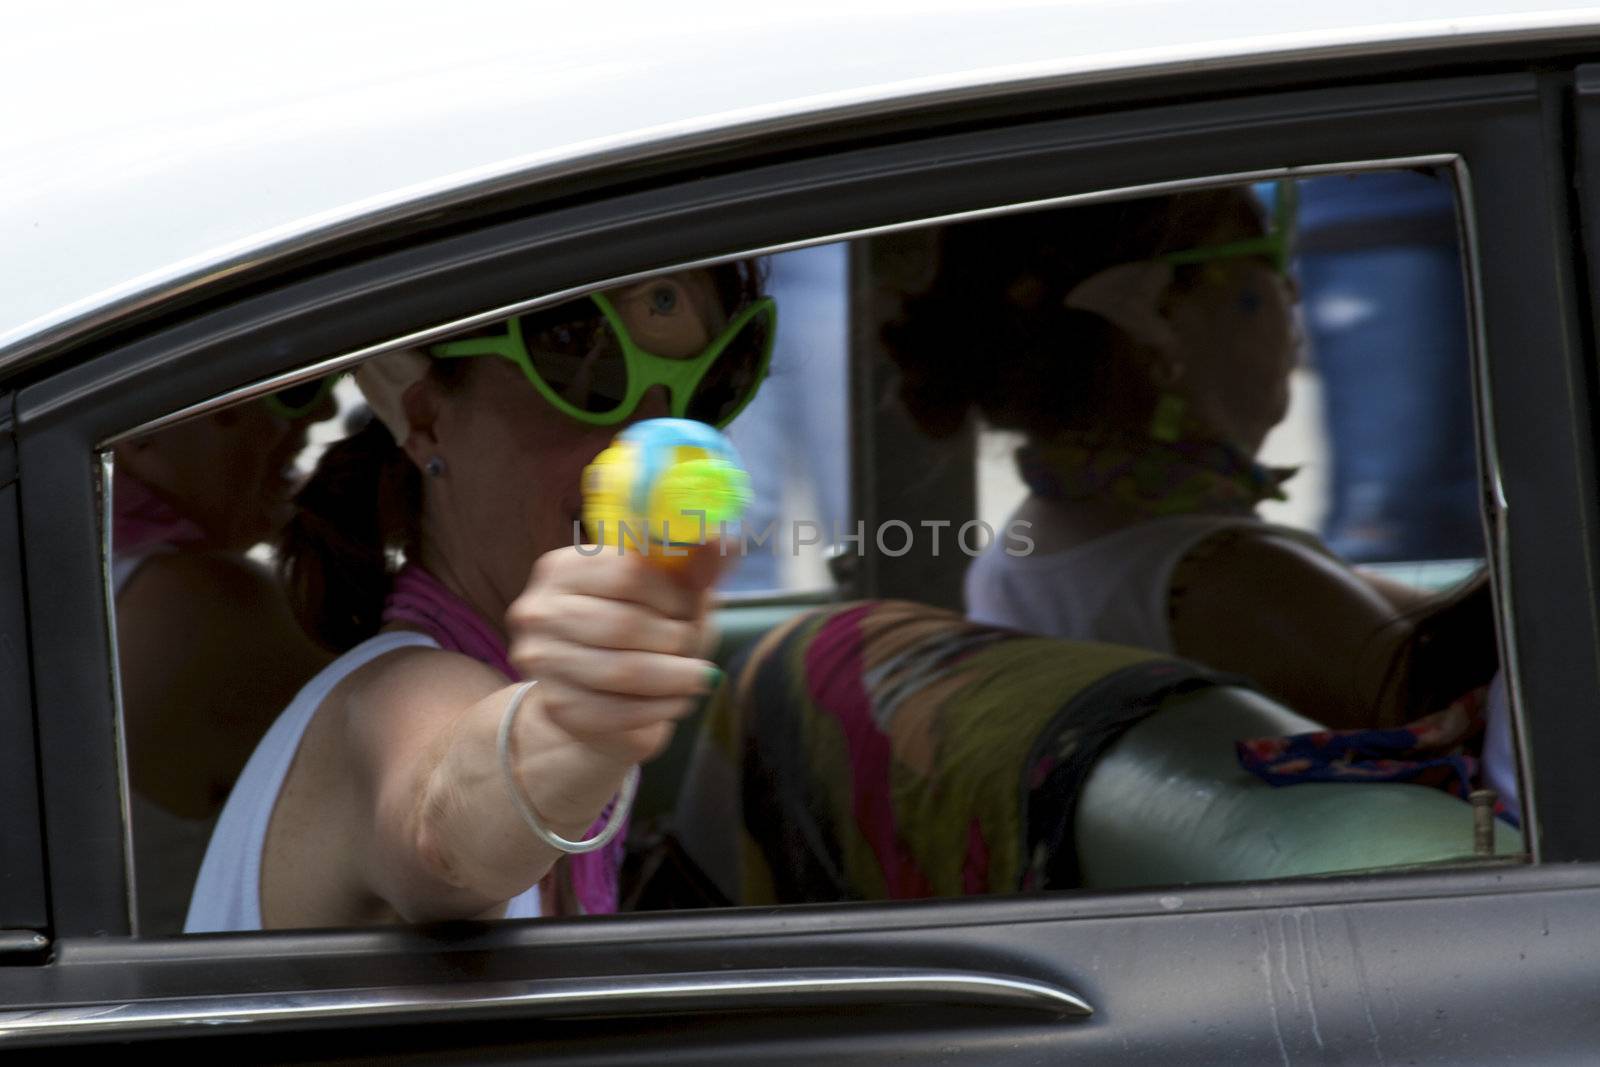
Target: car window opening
{"x": 1227, "y": 542}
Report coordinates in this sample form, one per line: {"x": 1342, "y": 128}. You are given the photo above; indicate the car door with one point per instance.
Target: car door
{"x": 1454, "y": 965}
{"x": 23, "y": 913}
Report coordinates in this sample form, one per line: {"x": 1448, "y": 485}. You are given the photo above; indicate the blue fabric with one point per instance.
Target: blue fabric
{"x": 1440, "y": 750}
{"x": 1388, "y": 329}
{"x": 1399, "y": 199}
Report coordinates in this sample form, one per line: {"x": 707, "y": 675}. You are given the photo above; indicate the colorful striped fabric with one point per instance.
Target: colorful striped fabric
{"x": 889, "y": 750}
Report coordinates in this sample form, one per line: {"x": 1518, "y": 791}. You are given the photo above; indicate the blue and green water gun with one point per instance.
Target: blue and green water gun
{"x": 663, "y": 487}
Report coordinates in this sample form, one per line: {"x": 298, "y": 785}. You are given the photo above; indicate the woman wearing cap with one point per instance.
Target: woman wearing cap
{"x": 1144, "y": 349}
{"x": 197, "y": 618}
{"x": 418, "y": 777}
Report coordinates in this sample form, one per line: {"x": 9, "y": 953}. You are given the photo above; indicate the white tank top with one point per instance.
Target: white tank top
{"x": 125, "y": 565}
{"x": 1113, "y": 589}
{"x": 227, "y": 895}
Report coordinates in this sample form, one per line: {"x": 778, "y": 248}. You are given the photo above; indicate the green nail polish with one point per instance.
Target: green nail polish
{"x": 713, "y": 678}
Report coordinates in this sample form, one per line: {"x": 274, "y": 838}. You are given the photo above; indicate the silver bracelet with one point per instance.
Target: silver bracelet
{"x": 619, "y": 811}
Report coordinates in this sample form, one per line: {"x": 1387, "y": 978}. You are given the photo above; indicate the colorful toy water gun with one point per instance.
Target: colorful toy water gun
{"x": 663, "y": 486}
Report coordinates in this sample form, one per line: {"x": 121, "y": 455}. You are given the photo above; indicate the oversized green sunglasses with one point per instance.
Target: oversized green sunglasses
{"x": 1277, "y": 245}
{"x": 297, "y": 401}
{"x": 590, "y": 368}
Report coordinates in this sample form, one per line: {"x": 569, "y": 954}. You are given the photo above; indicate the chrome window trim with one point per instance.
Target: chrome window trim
{"x": 1497, "y": 526}
{"x": 20, "y": 344}
{"x": 704, "y": 992}
{"x": 124, "y": 775}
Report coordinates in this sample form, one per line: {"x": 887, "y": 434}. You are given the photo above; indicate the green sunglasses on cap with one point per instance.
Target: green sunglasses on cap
{"x": 591, "y": 369}
{"x": 1277, "y": 245}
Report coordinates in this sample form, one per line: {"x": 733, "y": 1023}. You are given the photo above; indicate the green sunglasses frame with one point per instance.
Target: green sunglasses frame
{"x": 645, "y": 369}
{"x": 1277, "y": 245}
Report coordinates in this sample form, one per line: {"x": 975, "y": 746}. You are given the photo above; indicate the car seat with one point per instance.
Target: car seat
{"x": 1150, "y": 793}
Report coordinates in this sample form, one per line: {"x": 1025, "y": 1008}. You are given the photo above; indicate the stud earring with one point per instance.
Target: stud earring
{"x": 434, "y": 466}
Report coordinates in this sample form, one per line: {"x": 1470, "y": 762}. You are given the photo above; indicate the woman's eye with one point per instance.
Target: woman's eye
{"x": 663, "y": 300}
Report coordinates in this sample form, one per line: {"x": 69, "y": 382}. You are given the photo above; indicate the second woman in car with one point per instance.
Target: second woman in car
{"x": 1144, "y": 349}
{"x": 208, "y": 648}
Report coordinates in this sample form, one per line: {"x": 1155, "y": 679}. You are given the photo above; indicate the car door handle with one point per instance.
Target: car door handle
{"x": 571, "y": 998}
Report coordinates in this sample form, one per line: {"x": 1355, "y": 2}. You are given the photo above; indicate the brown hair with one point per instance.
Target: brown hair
{"x": 991, "y": 333}
{"x": 361, "y": 505}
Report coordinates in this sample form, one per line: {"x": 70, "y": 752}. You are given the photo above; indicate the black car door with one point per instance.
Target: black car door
{"x": 1458, "y": 965}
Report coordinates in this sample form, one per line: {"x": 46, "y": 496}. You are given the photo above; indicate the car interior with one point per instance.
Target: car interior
{"x": 1162, "y": 797}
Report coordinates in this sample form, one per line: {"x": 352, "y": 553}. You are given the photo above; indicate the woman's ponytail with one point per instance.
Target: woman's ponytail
{"x": 333, "y": 557}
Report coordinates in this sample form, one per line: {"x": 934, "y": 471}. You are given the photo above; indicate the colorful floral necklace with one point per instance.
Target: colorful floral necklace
{"x": 1156, "y": 477}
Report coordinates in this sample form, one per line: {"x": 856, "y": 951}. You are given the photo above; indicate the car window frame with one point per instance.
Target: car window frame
{"x": 24, "y": 912}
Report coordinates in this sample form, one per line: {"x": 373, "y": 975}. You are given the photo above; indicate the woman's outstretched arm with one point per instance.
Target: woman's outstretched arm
{"x": 613, "y": 643}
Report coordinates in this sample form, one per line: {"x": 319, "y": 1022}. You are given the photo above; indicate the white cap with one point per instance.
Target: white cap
{"x": 384, "y": 379}
{"x": 1128, "y": 295}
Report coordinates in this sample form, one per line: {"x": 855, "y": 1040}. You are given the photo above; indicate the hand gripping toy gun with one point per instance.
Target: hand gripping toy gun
{"x": 664, "y": 486}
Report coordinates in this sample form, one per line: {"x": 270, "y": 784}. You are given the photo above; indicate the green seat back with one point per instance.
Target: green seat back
{"x": 738, "y": 627}
{"x": 1169, "y": 804}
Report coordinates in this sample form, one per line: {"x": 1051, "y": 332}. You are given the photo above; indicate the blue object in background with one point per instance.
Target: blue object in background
{"x": 1382, "y": 291}
{"x": 794, "y": 436}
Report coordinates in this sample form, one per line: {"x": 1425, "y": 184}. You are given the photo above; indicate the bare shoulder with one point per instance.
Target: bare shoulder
{"x": 199, "y": 578}
{"x": 1265, "y": 558}
{"x": 1293, "y": 618}
{"x": 1242, "y": 593}
{"x": 363, "y": 753}
{"x": 422, "y": 671}
{"x": 410, "y": 691}
{"x": 211, "y": 623}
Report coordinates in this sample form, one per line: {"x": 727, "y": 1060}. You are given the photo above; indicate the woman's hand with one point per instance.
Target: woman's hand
{"x": 615, "y": 642}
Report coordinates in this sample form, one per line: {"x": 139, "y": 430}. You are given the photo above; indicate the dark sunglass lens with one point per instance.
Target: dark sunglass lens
{"x": 735, "y": 375}
{"x": 581, "y": 359}
{"x": 298, "y": 397}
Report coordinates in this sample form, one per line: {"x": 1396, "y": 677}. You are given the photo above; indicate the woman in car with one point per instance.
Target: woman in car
{"x": 418, "y": 777}
{"x": 196, "y": 618}
{"x": 1144, "y": 350}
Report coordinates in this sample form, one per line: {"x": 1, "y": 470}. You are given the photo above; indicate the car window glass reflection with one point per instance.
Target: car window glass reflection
{"x": 1174, "y": 393}
{"x": 208, "y": 648}
{"x": 1190, "y": 571}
